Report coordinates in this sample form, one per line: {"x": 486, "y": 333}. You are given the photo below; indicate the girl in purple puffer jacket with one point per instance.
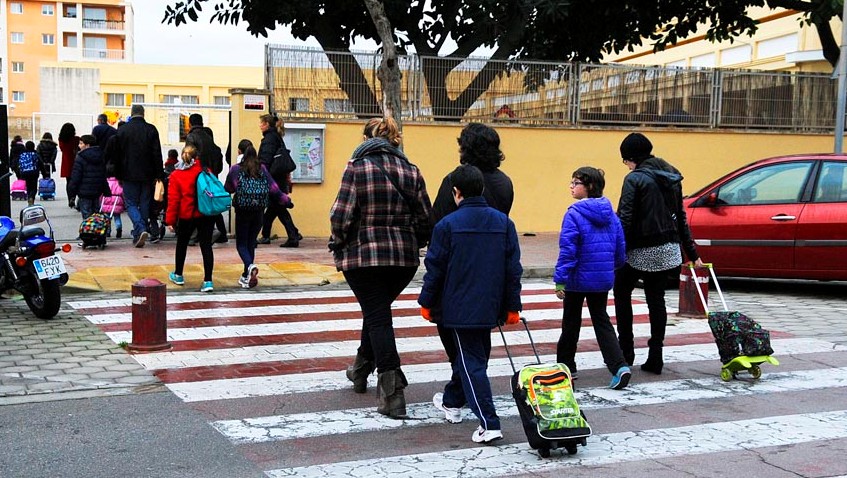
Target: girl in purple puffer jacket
{"x": 591, "y": 247}
{"x": 114, "y": 203}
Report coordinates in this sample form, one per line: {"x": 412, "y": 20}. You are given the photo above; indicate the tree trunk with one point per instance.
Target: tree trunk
{"x": 389, "y": 69}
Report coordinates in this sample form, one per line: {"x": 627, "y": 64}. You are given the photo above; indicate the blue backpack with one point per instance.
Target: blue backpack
{"x": 251, "y": 193}
{"x": 28, "y": 163}
{"x": 212, "y": 198}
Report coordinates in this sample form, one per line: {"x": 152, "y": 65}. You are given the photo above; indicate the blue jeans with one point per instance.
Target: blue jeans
{"x": 473, "y": 347}
{"x": 247, "y": 227}
{"x": 87, "y": 206}
{"x": 137, "y": 195}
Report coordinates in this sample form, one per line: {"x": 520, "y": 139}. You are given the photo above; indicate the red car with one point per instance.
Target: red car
{"x": 782, "y": 217}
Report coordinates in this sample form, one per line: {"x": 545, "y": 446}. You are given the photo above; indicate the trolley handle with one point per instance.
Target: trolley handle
{"x": 506, "y": 346}
{"x": 711, "y": 267}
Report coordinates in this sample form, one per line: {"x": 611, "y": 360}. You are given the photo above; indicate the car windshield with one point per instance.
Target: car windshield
{"x": 772, "y": 184}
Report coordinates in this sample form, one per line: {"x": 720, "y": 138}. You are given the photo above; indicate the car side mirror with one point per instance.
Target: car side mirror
{"x": 711, "y": 200}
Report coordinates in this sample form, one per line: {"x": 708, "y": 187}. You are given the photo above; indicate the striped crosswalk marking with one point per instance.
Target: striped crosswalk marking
{"x": 601, "y": 450}
{"x": 260, "y": 348}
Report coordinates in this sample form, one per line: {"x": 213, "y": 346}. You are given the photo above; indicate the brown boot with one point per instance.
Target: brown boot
{"x": 358, "y": 373}
{"x": 392, "y": 401}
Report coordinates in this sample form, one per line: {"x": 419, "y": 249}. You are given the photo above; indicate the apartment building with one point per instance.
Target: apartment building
{"x": 39, "y": 31}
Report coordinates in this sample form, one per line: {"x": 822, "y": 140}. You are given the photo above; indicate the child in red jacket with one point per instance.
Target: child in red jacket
{"x": 183, "y": 217}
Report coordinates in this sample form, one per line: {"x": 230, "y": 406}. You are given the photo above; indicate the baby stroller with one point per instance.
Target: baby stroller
{"x": 742, "y": 343}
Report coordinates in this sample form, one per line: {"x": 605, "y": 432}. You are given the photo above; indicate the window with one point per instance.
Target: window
{"x": 70, "y": 11}
{"x": 137, "y": 98}
{"x": 17, "y": 67}
{"x": 298, "y": 104}
{"x": 221, "y": 100}
{"x": 16, "y": 8}
{"x": 832, "y": 183}
{"x": 332, "y": 105}
{"x": 47, "y": 10}
{"x": 181, "y": 99}
{"x": 18, "y": 96}
{"x": 71, "y": 41}
{"x": 48, "y": 39}
{"x": 775, "y": 184}
{"x": 17, "y": 37}
{"x": 115, "y": 99}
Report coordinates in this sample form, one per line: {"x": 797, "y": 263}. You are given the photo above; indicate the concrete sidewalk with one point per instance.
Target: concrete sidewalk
{"x": 119, "y": 264}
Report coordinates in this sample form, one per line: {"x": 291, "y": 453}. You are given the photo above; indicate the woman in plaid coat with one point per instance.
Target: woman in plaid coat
{"x": 381, "y": 212}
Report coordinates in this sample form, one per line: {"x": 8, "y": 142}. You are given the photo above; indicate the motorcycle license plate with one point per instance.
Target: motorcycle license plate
{"x": 49, "y": 267}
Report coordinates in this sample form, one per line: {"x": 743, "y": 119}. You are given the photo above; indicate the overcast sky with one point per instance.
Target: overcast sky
{"x": 199, "y": 43}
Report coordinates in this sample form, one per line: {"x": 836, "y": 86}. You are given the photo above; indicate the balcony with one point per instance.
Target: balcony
{"x": 91, "y": 54}
{"x": 114, "y": 26}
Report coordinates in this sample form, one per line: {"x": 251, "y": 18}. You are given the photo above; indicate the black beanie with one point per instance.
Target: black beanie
{"x": 636, "y": 147}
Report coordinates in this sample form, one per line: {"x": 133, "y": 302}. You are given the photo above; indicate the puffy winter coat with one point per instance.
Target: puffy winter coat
{"x": 591, "y": 247}
{"x": 88, "y": 178}
{"x": 473, "y": 269}
{"x": 116, "y": 200}
{"x": 182, "y": 194}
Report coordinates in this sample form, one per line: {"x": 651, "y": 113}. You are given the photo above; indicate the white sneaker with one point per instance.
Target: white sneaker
{"x": 244, "y": 282}
{"x": 253, "y": 276}
{"x": 482, "y": 435}
{"x": 452, "y": 415}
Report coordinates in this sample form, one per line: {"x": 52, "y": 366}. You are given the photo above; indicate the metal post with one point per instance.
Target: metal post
{"x": 842, "y": 84}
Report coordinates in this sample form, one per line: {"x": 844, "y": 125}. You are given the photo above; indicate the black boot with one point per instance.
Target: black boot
{"x": 392, "y": 401}
{"x": 358, "y": 373}
{"x": 654, "y": 361}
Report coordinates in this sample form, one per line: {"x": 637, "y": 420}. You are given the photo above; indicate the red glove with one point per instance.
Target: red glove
{"x": 426, "y": 314}
{"x": 512, "y": 317}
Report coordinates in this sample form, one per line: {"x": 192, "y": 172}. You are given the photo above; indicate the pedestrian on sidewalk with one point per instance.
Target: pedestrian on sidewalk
{"x": 591, "y": 248}
{"x": 183, "y": 217}
{"x": 271, "y": 145}
{"x": 479, "y": 145}
{"x": 47, "y": 150}
{"x": 253, "y": 187}
{"x": 27, "y": 166}
{"x": 203, "y": 138}
{"x": 114, "y": 205}
{"x": 381, "y": 211}
{"x": 473, "y": 271}
{"x": 135, "y": 153}
{"x": 88, "y": 178}
{"x": 69, "y": 146}
{"x": 655, "y": 226}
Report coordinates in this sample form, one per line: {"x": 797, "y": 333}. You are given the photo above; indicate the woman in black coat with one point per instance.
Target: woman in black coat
{"x": 272, "y": 133}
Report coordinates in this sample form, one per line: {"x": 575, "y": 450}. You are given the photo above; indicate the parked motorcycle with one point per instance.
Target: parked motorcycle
{"x": 29, "y": 262}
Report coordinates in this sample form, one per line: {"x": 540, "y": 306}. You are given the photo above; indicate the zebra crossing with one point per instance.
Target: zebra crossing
{"x": 266, "y": 369}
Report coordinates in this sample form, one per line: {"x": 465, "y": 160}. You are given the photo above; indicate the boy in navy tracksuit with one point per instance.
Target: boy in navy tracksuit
{"x": 472, "y": 279}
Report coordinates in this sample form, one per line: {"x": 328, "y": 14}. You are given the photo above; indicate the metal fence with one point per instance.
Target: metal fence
{"x": 315, "y": 84}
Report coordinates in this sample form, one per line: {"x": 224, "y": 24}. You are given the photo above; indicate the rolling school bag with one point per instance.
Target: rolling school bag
{"x": 742, "y": 343}
{"x": 47, "y": 188}
{"x": 18, "y": 190}
{"x": 546, "y": 403}
{"x": 94, "y": 229}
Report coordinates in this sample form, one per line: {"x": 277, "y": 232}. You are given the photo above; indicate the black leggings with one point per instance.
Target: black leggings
{"x": 185, "y": 228}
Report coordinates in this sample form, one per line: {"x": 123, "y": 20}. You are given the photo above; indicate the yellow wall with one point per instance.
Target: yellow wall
{"x": 540, "y": 162}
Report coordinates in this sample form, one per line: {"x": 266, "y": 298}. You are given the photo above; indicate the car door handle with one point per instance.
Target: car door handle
{"x": 783, "y": 217}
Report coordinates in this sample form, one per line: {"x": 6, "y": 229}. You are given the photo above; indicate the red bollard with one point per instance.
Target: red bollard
{"x": 690, "y": 304}
{"x": 149, "y": 316}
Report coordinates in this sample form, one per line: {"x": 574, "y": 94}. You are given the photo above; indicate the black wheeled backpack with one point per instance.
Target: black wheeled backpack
{"x": 546, "y": 403}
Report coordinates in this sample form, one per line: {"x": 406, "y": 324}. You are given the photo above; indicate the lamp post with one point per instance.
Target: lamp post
{"x": 842, "y": 83}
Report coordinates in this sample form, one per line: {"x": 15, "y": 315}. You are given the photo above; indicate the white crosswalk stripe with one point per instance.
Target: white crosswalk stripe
{"x": 283, "y": 346}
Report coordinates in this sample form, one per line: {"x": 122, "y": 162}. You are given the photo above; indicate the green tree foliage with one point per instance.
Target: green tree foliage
{"x": 559, "y": 30}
